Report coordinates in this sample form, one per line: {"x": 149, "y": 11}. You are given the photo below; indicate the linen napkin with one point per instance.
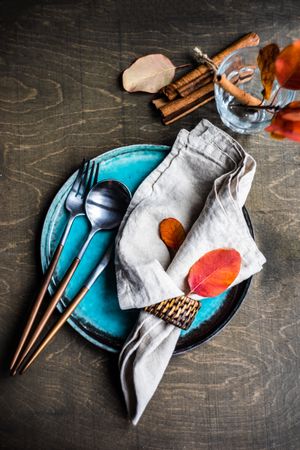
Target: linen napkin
{"x": 203, "y": 182}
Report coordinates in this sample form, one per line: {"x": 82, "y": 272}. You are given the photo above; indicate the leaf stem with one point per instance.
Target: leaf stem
{"x": 275, "y": 96}
{"x": 270, "y": 108}
{"x": 182, "y": 66}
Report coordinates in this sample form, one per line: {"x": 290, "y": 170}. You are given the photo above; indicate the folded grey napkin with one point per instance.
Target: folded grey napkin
{"x": 203, "y": 182}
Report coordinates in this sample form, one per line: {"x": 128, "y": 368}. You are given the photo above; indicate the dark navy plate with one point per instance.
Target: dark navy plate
{"x": 98, "y": 318}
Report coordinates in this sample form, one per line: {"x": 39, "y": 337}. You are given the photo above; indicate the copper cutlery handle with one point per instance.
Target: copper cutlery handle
{"x": 64, "y": 317}
{"x": 86, "y": 178}
{"x": 42, "y": 292}
{"x": 55, "y": 299}
{"x": 37, "y": 303}
{"x": 70, "y": 308}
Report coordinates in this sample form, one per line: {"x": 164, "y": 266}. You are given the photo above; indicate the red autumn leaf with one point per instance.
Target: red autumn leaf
{"x": 214, "y": 272}
{"x": 172, "y": 233}
{"x": 287, "y": 66}
{"x": 286, "y": 123}
{"x": 266, "y": 63}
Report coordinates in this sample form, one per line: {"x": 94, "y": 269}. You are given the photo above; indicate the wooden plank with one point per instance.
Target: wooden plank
{"x": 60, "y": 100}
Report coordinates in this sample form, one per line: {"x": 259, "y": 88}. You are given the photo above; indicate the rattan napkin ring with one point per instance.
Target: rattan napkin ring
{"x": 178, "y": 311}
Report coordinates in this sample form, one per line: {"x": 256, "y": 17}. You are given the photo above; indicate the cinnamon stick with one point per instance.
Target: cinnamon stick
{"x": 174, "y": 110}
{"x": 195, "y": 84}
{"x": 194, "y": 79}
{"x": 159, "y": 102}
{"x": 243, "y": 97}
{"x": 202, "y": 102}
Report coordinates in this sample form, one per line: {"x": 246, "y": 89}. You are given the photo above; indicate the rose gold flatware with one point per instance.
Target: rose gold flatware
{"x": 105, "y": 206}
{"x": 86, "y": 177}
{"x": 70, "y": 308}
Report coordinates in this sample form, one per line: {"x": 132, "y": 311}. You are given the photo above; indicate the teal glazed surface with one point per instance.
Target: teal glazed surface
{"x": 98, "y": 318}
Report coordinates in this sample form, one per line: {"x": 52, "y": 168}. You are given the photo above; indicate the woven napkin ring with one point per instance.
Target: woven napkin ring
{"x": 179, "y": 311}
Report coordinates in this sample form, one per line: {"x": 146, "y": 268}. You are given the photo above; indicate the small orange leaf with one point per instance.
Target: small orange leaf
{"x": 266, "y": 63}
{"x": 287, "y": 66}
{"x": 172, "y": 233}
{"x": 277, "y": 136}
{"x": 214, "y": 272}
{"x": 286, "y": 123}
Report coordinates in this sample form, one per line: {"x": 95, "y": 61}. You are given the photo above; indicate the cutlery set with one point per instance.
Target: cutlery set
{"x": 104, "y": 204}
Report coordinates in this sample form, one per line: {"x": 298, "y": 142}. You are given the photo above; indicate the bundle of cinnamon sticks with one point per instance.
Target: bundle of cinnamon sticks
{"x": 195, "y": 88}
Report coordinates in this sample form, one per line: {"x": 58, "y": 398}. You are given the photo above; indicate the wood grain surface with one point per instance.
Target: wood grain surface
{"x": 60, "y": 100}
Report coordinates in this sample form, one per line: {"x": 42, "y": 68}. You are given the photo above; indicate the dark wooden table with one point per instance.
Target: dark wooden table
{"x": 60, "y": 99}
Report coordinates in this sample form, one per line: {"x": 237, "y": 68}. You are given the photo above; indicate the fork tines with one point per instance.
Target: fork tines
{"x": 87, "y": 176}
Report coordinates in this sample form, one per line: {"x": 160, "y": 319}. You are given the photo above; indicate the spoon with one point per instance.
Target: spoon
{"x": 105, "y": 207}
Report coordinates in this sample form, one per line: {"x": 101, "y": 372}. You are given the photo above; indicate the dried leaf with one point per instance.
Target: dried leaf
{"x": 148, "y": 74}
{"x": 266, "y": 63}
{"x": 214, "y": 272}
{"x": 172, "y": 233}
{"x": 286, "y": 123}
{"x": 287, "y": 66}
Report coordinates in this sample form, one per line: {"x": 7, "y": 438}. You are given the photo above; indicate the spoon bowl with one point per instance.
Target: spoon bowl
{"x": 106, "y": 204}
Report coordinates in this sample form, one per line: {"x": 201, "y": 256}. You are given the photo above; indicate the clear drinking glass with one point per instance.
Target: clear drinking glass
{"x": 241, "y": 68}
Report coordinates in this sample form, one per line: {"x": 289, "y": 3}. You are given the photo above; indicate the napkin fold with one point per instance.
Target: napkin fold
{"x": 203, "y": 182}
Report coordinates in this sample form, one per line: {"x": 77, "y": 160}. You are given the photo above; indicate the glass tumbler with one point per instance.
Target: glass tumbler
{"x": 241, "y": 68}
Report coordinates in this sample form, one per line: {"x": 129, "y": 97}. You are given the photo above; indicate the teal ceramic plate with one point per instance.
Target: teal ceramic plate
{"x": 98, "y": 318}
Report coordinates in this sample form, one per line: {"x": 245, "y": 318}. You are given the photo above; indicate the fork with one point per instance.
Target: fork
{"x": 86, "y": 177}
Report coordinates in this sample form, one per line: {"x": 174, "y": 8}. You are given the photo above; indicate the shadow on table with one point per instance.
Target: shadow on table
{"x": 23, "y": 306}
{"x": 10, "y": 10}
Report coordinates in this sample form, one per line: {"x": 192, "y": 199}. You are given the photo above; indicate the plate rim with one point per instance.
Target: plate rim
{"x": 109, "y": 154}
{"x": 73, "y": 321}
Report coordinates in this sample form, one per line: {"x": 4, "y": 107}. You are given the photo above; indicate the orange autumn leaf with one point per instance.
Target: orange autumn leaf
{"x": 172, "y": 233}
{"x": 266, "y": 63}
{"x": 214, "y": 272}
{"x": 274, "y": 135}
{"x": 286, "y": 123}
{"x": 287, "y": 66}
